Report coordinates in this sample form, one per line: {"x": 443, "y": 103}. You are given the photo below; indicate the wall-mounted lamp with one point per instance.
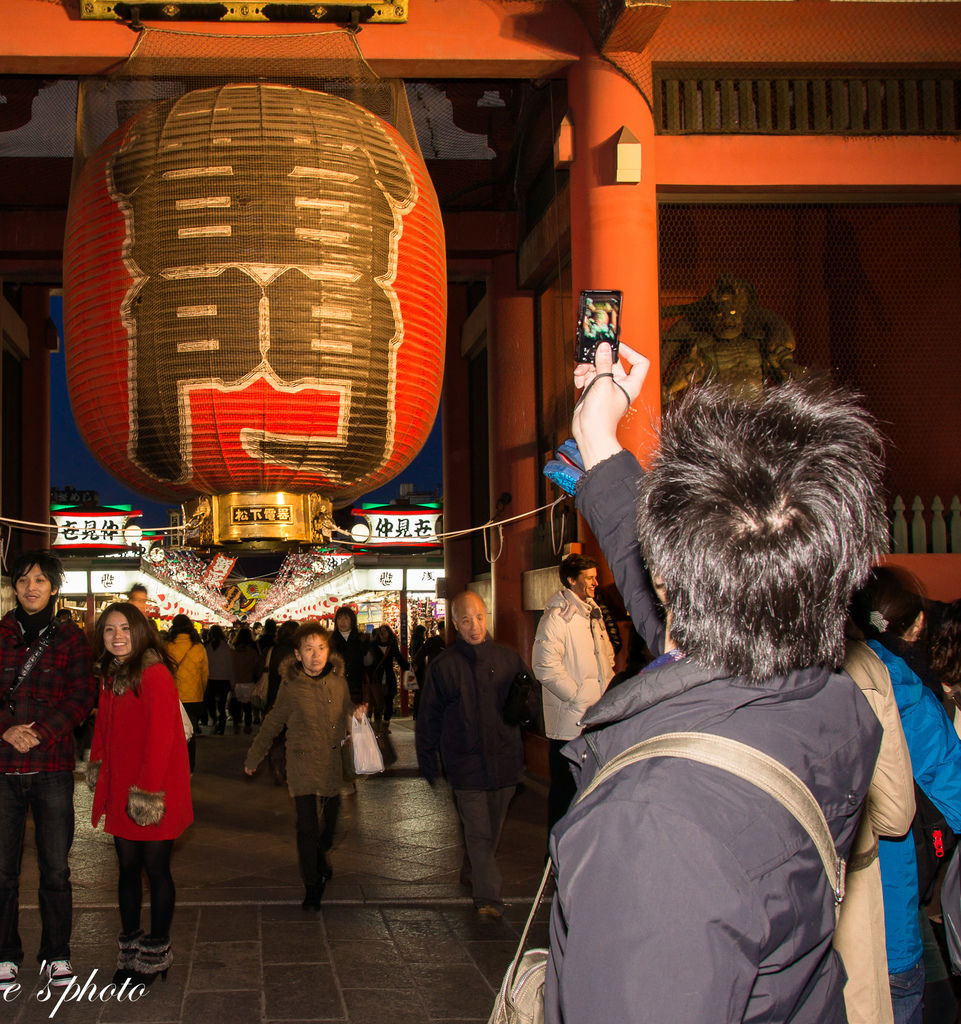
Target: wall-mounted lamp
{"x": 564, "y": 142}
{"x": 628, "y": 159}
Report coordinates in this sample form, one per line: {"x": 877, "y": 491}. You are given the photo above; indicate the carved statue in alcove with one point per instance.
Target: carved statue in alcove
{"x": 725, "y": 335}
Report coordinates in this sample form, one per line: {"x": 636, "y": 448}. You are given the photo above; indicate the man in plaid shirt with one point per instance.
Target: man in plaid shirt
{"x": 38, "y": 713}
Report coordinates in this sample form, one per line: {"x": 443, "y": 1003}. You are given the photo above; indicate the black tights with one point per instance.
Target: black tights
{"x": 153, "y": 856}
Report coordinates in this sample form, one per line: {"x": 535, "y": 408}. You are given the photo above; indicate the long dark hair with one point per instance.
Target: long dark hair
{"x": 146, "y": 649}
{"x": 244, "y": 638}
{"x": 285, "y": 635}
{"x": 216, "y": 637}
{"x": 894, "y": 595}
{"x": 945, "y": 645}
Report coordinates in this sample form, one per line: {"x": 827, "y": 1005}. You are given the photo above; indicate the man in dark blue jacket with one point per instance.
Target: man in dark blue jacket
{"x": 685, "y": 893}
{"x": 460, "y": 719}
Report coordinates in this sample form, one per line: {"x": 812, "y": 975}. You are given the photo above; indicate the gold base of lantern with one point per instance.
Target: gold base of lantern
{"x": 258, "y": 520}
{"x": 388, "y": 11}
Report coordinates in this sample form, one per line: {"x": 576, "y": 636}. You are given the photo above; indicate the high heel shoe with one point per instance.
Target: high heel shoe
{"x": 153, "y": 957}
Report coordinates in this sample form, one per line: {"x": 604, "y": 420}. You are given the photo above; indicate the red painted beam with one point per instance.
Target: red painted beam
{"x": 441, "y": 39}
{"x": 820, "y": 162}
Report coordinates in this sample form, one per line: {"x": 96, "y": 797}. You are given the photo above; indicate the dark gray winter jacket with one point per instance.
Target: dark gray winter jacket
{"x": 459, "y": 716}
{"x": 684, "y": 893}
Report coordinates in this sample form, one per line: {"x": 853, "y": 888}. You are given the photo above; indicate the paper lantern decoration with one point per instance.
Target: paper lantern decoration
{"x": 255, "y": 298}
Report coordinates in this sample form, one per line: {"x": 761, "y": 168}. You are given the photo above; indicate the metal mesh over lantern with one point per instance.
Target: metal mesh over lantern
{"x": 255, "y": 297}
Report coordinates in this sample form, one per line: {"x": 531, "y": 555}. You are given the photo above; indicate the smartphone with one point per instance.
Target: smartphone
{"x": 598, "y": 320}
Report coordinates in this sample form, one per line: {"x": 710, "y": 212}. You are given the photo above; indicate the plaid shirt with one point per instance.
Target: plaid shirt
{"x": 57, "y": 696}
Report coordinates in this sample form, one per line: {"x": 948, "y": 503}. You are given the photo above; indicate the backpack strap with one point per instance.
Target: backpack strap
{"x": 742, "y": 760}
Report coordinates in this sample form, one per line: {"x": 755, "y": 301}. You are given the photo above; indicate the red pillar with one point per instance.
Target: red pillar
{"x": 614, "y": 228}
{"x": 35, "y": 482}
{"x": 513, "y": 446}
{"x": 455, "y": 433}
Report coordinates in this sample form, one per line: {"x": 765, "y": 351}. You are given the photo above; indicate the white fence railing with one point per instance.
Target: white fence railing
{"x": 916, "y": 536}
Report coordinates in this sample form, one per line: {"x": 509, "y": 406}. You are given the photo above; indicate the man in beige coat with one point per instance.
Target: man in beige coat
{"x": 573, "y": 660}
{"x": 888, "y": 811}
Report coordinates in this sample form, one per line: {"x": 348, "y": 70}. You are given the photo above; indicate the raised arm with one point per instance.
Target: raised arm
{"x": 607, "y": 496}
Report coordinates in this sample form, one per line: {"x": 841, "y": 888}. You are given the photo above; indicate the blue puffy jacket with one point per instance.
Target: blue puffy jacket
{"x": 936, "y": 764}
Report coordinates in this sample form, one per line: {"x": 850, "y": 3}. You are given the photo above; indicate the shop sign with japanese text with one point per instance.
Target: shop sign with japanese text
{"x": 218, "y": 570}
{"x": 414, "y": 528}
{"x": 85, "y": 528}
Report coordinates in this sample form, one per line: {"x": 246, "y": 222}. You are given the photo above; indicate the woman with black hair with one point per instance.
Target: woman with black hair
{"x": 944, "y": 655}
{"x": 383, "y": 659}
{"x": 220, "y": 663}
{"x": 893, "y": 625}
{"x": 141, "y": 779}
{"x": 268, "y": 636}
{"x": 348, "y": 641}
{"x": 247, "y": 668}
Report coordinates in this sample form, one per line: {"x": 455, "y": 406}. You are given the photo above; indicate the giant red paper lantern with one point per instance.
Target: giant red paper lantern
{"x": 255, "y": 298}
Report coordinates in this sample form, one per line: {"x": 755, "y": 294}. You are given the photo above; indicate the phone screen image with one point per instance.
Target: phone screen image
{"x": 598, "y": 320}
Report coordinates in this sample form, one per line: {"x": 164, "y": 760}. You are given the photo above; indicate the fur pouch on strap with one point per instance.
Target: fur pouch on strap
{"x": 144, "y": 808}
{"x": 93, "y": 773}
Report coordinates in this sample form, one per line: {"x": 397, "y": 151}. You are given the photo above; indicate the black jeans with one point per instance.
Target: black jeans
{"x": 218, "y": 690}
{"x": 49, "y": 798}
{"x": 315, "y": 835}
{"x": 194, "y": 710}
{"x": 240, "y": 710}
{"x": 136, "y": 856}
{"x": 563, "y": 786}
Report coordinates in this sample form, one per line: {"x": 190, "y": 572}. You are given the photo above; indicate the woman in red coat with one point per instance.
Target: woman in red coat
{"x": 141, "y": 779}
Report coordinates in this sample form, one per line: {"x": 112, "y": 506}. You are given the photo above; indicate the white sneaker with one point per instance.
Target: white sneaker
{"x": 8, "y": 975}
{"x": 57, "y": 973}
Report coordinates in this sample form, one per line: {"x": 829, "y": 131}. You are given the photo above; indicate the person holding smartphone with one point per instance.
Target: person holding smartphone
{"x": 682, "y": 862}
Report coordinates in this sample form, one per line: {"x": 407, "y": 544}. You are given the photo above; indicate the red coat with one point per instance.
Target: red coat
{"x": 139, "y": 741}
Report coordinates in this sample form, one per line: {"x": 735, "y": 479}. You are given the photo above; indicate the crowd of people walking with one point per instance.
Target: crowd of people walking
{"x": 149, "y": 694}
{"x": 782, "y": 659}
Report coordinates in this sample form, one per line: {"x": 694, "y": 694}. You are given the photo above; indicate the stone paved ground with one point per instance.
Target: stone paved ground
{"x": 397, "y": 940}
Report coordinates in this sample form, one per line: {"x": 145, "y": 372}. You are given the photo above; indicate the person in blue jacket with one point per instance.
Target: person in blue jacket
{"x": 936, "y": 764}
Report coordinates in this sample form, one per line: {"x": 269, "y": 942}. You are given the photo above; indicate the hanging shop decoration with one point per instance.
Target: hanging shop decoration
{"x": 97, "y": 530}
{"x": 255, "y": 306}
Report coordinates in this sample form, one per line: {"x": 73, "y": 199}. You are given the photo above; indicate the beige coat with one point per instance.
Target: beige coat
{"x": 316, "y": 713}
{"x": 888, "y": 811}
{"x": 572, "y": 660}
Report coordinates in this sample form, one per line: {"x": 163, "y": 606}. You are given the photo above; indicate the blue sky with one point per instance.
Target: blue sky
{"x": 72, "y": 465}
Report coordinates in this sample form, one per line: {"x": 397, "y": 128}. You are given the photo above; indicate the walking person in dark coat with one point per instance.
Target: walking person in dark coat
{"x": 383, "y": 661}
{"x": 422, "y": 657}
{"x": 348, "y": 641}
{"x": 760, "y": 515}
{"x": 460, "y": 719}
{"x": 282, "y": 649}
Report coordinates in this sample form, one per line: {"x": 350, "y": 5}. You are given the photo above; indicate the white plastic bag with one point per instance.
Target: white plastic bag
{"x": 367, "y": 756}
{"x": 188, "y": 725}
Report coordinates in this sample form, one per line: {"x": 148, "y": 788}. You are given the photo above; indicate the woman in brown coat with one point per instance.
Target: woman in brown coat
{"x": 314, "y": 703}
